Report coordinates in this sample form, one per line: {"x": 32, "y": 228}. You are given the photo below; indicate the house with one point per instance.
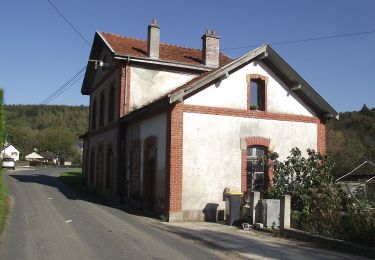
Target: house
{"x": 34, "y": 157}
{"x": 10, "y": 151}
{"x": 172, "y": 127}
{"x": 49, "y": 157}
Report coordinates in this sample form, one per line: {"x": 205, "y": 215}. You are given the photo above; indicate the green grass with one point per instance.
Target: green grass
{"x": 73, "y": 178}
{"x": 4, "y": 202}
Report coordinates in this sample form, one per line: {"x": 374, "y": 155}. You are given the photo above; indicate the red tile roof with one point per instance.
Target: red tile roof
{"x": 138, "y": 48}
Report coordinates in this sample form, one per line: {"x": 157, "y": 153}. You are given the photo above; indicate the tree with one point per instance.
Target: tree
{"x": 351, "y": 140}
{"x": 24, "y": 138}
{"x": 28, "y": 127}
{"x": 57, "y": 140}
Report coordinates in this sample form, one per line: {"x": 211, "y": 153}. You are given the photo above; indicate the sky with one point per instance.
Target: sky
{"x": 39, "y": 51}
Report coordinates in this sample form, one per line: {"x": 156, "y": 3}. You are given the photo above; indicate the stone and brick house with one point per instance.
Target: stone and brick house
{"x": 172, "y": 127}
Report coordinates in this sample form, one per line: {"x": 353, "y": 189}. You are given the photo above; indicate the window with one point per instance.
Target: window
{"x": 101, "y": 109}
{"x": 93, "y": 117}
{"x": 256, "y": 95}
{"x": 257, "y": 86}
{"x": 256, "y": 169}
{"x": 109, "y": 168}
{"x": 111, "y": 104}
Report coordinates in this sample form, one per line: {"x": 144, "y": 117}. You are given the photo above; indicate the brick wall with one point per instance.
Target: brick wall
{"x": 175, "y": 159}
{"x": 322, "y": 145}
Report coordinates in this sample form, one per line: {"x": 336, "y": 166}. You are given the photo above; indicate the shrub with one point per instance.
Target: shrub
{"x": 319, "y": 205}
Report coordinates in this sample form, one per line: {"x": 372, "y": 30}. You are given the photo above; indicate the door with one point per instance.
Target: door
{"x": 149, "y": 176}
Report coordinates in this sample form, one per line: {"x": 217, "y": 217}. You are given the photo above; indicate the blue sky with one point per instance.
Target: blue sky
{"x": 40, "y": 52}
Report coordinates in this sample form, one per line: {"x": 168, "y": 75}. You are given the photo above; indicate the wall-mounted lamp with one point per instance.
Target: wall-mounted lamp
{"x": 296, "y": 86}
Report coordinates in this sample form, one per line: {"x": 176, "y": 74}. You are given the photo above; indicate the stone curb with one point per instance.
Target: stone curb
{"x": 329, "y": 243}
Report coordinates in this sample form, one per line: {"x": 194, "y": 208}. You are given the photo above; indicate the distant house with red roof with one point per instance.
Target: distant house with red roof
{"x": 171, "y": 127}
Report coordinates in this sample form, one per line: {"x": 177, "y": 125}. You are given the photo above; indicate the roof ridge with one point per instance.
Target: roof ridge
{"x": 179, "y": 46}
{"x": 163, "y": 43}
{"x": 122, "y": 36}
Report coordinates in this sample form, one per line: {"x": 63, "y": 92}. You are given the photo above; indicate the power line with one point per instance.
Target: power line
{"x": 70, "y": 24}
{"x": 64, "y": 90}
{"x": 64, "y": 87}
{"x": 77, "y": 76}
{"x": 305, "y": 40}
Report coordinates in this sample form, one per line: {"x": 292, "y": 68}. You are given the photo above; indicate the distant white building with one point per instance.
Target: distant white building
{"x": 34, "y": 157}
{"x": 10, "y": 152}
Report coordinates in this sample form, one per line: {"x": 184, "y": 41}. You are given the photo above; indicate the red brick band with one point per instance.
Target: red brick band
{"x": 249, "y": 114}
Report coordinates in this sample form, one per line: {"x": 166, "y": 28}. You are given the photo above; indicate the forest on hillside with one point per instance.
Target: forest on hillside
{"x": 351, "y": 140}
{"x": 45, "y": 128}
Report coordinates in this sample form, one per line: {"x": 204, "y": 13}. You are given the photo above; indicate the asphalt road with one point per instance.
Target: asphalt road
{"x": 50, "y": 221}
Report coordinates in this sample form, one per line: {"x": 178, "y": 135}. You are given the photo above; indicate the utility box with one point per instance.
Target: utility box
{"x": 232, "y": 207}
{"x": 271, "y": 212}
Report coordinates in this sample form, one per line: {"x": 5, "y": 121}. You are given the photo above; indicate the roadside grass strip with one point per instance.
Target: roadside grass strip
{"x": 73, "y": 178}
{"x": 4, "y": 202}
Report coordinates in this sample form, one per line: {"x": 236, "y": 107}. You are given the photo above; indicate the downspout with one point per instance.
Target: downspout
{"x": 126, "y": 82}
{"x": 122, "y": 169}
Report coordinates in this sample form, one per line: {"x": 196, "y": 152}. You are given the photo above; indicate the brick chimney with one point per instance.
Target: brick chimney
{"x": 153, "y": 40}
{"x": 210, "y": 49}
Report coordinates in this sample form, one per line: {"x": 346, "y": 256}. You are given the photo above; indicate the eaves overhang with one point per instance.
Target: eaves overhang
{"x": 300, "y": 86}
{"x": 162, "y": 63}
{"x": 148, "y": 109}
{"x": 98, "y": 45}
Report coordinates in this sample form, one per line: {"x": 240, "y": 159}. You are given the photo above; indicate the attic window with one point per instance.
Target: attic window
{"x": 256, "y": 90}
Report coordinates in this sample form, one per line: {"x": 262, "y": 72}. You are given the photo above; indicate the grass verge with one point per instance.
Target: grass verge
{"x": 4, "y": 202}
{"x": 73, "y": 178}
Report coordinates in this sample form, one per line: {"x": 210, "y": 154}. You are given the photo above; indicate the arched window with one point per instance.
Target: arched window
{"x": 93, "y": 116}
{"x": 257, "y": 173}
{"x": 111, "y": 104}
{"x": 92, "y": 166}
{"x": 101, "y": 109}
{"x": 109, "y": 168}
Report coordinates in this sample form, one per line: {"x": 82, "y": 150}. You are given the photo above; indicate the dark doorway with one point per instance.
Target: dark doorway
{"x": 135, "y": 163}
{"x": 99, "y": 169}
{"x": 149, "y": 175}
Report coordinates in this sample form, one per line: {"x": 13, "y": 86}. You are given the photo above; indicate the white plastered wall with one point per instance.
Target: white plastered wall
{"x": 148, "y": 85}
{"x": 212, "y": 152}
{"x": 232, "y": 93}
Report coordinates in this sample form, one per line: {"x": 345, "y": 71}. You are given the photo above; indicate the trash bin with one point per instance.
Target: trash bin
{"x": 232, "y": 207}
